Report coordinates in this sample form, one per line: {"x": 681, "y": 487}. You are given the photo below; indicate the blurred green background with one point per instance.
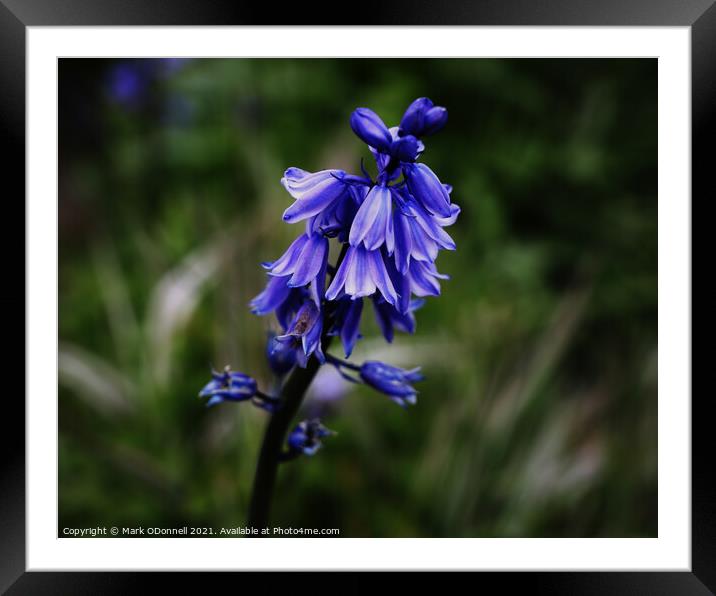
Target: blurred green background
{"x": 539, "y": 413}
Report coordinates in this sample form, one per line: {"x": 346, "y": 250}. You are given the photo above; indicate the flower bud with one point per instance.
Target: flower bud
{"x": 435, "y": 119}
{"x": 393, "y": 381}
{"x": 422, "y": 118}
{"x": 406, "y": 148}
{"x": 370, "y": 129}
{"x": 425, "y": 186}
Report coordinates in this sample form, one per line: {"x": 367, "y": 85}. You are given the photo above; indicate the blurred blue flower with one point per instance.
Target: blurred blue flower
{"x": 327, "y": 390}
{"x": 306, "y": 437}
{"x": 228, "y": 386}
{"x": 280, "y": 355}
{"x": 127, "y": 83}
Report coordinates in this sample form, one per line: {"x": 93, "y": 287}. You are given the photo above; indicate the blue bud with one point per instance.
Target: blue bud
{"x": 370, "y": 129}
{"x": 422, "y": 118}
{"x": 281, "y": 355}
{"x": 406, "y": 148}
{"x": 435, "y": 119}
{"x": 425, "y": 186}
{"x": 412, "y": 121}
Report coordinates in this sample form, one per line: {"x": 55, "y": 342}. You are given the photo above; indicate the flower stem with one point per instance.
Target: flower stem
{"x": 291, "y": 397}
{"x": 270, "y": 455}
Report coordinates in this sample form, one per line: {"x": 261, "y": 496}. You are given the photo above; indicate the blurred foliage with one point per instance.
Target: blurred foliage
{"x": 538, "y": 416}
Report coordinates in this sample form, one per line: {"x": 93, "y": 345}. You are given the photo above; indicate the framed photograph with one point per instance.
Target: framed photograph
{"x": 395, "y": 295}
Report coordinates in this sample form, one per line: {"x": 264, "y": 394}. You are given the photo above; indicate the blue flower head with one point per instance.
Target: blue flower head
{"x": 390, "y": 228}
{"x": 393, "y": 226}
{"x": 228, "y": 386}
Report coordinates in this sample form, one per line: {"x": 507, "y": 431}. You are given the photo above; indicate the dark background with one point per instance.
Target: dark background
{"x": 538, "y": 417}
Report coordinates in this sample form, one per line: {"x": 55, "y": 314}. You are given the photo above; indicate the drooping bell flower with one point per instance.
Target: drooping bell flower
{"x": 394, "y": 382}
{"x": 305, "y": 438}
{"x": 304, "y": 334}
{"x": 228, "y": 385}
{"x": 370, "y": 129}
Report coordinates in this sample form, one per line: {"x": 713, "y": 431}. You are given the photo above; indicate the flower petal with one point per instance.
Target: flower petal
{"x": 286, "y": 263}
{"x": 339, "y": 279}
{"x": 351, "y": 326}
{"x": 368, "y": 126}
{"x": 275, "y": 294}
{"x": 309, "y": 262}
{"x": 423, "y": 279}
{"x": 403, "y": 241}
{"x": 424, "y": 248}
{"x": 378, "y": 232}
{"x": 385, "y": 322}
{"x": 359, "y": 281}
{"x": 370, "y": 222}
{"x": 380, "y": 277}
{"x": 448, "y": 221}
{"x": 430, "y": 225}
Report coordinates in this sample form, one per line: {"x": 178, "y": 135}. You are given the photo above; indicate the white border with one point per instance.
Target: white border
{"x": 671, "y": 550}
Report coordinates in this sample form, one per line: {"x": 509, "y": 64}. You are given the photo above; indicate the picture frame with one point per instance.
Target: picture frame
{"x": 699, "y": 15}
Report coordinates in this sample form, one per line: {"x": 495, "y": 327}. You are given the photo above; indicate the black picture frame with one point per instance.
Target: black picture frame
{"x": 17, "y": 15}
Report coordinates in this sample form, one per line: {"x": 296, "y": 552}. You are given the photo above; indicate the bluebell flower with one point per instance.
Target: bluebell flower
{"x": 426, "y": 187}
{"x": 304, "y": 334}
{"x": 303, "y": 260}
{"x": 228, "y": 386}
{"x": 314, "y": 192}
{"x": 417, "y": 234}
{"x": 306, "y": 437}
{"x": 393, "y": 381}
{"x": 335, "y": 220}
{"x": 361, "y": 273}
